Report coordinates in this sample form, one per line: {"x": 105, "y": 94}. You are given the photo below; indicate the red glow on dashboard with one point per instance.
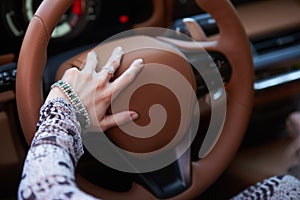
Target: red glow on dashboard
{"x": 76, "y": 8}
{"x": 124, "y": 19}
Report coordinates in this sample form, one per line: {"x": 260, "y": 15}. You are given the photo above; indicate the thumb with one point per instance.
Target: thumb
{"x": 120, "y": 118}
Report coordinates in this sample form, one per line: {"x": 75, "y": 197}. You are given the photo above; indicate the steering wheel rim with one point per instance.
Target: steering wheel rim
{"x": 232, "y": 42}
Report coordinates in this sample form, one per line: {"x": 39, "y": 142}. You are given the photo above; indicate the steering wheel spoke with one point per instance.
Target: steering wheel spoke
{"x": 168, "y": 181}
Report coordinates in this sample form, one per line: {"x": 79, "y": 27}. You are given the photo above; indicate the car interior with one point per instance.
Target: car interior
{"x": 254, "y": 44}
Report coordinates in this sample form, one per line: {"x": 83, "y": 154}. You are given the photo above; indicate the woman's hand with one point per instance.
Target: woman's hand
{"x": 96, "y": 91}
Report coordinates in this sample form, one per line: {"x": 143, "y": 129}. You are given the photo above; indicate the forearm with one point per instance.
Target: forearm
{"x": 48, "y": 171}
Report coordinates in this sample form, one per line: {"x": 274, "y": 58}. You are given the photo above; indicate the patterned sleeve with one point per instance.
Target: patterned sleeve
{"x": 274, "y": 188}
{"x": 49, "y": 168}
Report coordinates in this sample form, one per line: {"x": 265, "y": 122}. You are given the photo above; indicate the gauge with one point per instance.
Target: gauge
{"x": 71, "y": 23}
{"x": 11, "y": 15}
{"x": 16, "y": 15}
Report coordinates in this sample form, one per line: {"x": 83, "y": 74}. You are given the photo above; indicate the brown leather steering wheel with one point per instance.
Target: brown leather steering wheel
{"x": 231, "y": 42}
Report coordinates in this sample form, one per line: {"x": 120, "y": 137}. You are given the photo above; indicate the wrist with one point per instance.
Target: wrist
{"x": 56, "y": 92}
{"x": 68, "y": 93}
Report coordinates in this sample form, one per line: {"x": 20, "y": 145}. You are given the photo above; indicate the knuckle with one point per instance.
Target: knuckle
{"x": 115, "y": 63}
{"x": 73, "y": 71}
{"x": 103, "y": 127}
{"x": 101, "y": 85}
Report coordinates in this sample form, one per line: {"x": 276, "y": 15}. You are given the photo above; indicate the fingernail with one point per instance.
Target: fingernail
{"x": 92, "y": 54}
{"x": 133, "y": 115}
{"x": 119, "y": 49}
{"x": 139, "y": 62}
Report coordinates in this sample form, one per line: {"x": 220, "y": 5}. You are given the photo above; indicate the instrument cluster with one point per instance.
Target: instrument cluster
{"x": 86, "y": 21}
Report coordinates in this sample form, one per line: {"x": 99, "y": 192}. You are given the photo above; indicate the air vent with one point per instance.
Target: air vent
{"x": 276, "y": 42}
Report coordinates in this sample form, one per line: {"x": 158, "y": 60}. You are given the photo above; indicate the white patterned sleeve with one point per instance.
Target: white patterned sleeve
{"x": 49, "y": 168}
{"x": 274, "y": 188}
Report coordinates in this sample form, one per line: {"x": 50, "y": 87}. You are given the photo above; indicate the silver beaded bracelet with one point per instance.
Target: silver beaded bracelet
{"x": 75, "y": 101}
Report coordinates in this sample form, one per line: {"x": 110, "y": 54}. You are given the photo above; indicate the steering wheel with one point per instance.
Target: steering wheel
{"x": 232, "y": 42}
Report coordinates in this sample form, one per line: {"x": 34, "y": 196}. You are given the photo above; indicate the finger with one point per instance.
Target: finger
{"x": 91, "y": 62}
{"x": 112, "y": 64}
{"x": 120, "y": 118}
{"x": 127, "y": 77}
{"x": 71, "y": 76}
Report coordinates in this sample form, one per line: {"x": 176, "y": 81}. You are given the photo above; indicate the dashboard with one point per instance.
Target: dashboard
{"x": 85, "y": 22}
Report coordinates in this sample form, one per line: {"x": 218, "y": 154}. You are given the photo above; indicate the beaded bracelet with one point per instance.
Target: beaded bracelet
{"x": 75, "y": 101}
